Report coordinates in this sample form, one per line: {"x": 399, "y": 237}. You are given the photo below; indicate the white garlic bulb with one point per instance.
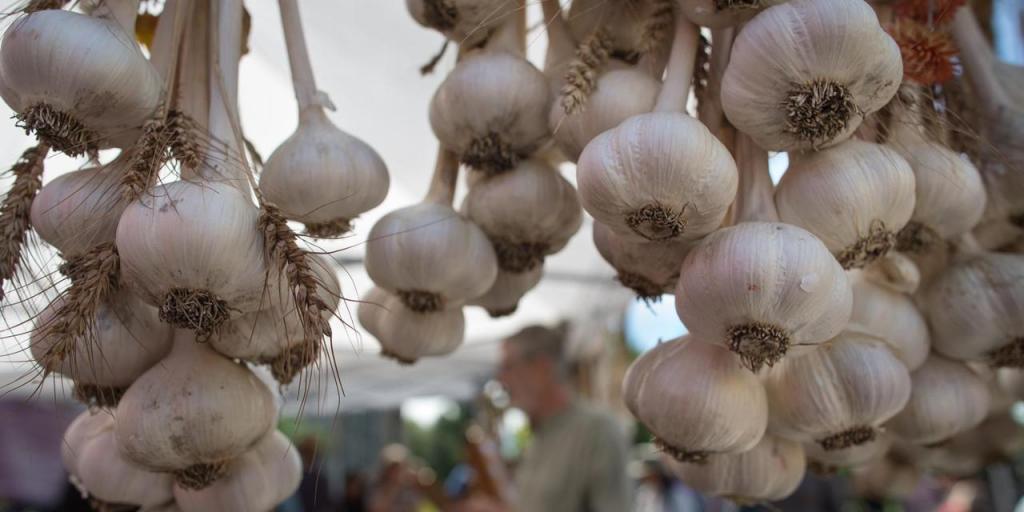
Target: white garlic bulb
{"x": 527, "y": 213}
{"x": 193, "y": 414}
{"x": 762, "y": 290}
{"x": 508, "y": 289}
{"x": 112, "y": 479}
{"x": 324, "y": 177}
{"x": 650, "y": 269}
{"x": 947, "y": 398}
{"x": 194, "y": 251}
{"x": 492, "y": 110}
{"x": 722, "y": 13}
{"x": 950, "y": 196}
{"x": 466, "y": 22}
{"x": 80, "y": 209}
{"x": 85, "y": 427}
{"x": 850, "y": 457}
{"x": 407, "y": 335}
{"x": 81, "y": 83}
{"x": 804, "y": 73}
{"x": 839, "y": 394}
{"x": 260, "y": 479}
{"x": 976, "y": 309}
{"x": 657, "y": 177}
{"x": 893, "y": 317}
{"x": 769, "y": 471}
{"x": 697, "y": 400}
{"x": 620, "y": 94}
{"x": 894, "y": 476}
{"x": 854, "y": 197}
{"x": 124, "y": 339}
{"x": 895, "y": 271}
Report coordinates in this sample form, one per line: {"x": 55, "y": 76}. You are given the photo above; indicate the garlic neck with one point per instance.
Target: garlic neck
{"x": 225, "y": 51}
{"x": 313, "y": 115}
{"x": 167, "y": 40}
{"x": 122, "y": 12}
{"x": 679, "y": 75}
{"x": 184, "y": 344}
{"x": 755, "y": 200}
{"x": 191, "y": 92}
{"x": 710, "y": 108}
{"x": 446, "y": 175}
{"x": 510, "y": 36}
{"x": 561, "y": 44}
{"x": 978, "y": 62}
{"x": 298, "y": 55}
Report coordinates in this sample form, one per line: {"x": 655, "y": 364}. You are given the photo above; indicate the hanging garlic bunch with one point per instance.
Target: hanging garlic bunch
{"x": 193, "y": 414}
{"x": 723, "y": 13}
{"x": 761, "y": 288}
{"x": 976, "y": 309}
{"x": 650, "y": 269}
{"x": 893, "y": 317}
{"x": 123, "y": 340}
{"x": 407, "y": 335}
{"x": 804, "y": 73}
{"x": 466, "y": 22}
{"x": 769, "y": 471}
{"x": 838, "y": 395}
{"x": 947, "y": 398}
{"x": 508, "y": 288}
{"x": 697, "y": 400}
{"x": 320, "y": 176}
{"x": 79, "y": 83}
{"x": 527, "y": 213}
{"x": 660, "y": 176}
{"x": 855, "y": 197}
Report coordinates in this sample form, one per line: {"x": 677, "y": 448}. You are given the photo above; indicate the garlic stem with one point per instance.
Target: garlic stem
{"x": 561, "y": 44}
{"x": 123, "y": 12}
{"x": 446, "y": 175}
{"x": 676, "y": 88}
{"x": 193, "y": 94}
{"x": 165, "y": 38}
{"x": 755, "y": 200}
{"x": 978, "y": 60}
{"x": 967, "y": 246}
{"x": 298, "y": 56}
{"x": 508, "y": 37}
{"x": 710, "y": 110}
{"x": 225, "y": 51}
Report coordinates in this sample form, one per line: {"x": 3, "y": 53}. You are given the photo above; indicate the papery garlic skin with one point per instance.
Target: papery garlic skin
{"x": 839, "y": 394}
{"x": 805, "y": 72}
{"x": 769, "y": 471}
{"x": 893, "y": 317}
{"x": 80, "y": 210}
{"x": 324, "y": 177}
{"x": 193, "y": 414}
{"x": 85, "y": 67}
{"x": 262, "y": 478}
{"x": 707, "y": 13}
{"x": 124, "y": 339}
{"x": 430, "y": 256}
{"x": 406, "y": 335}
{"x": 854, "y": 197}
{"x": 650, "y": 269}
{"x": 657, "y": 177}
{"x": 112, "y": 479}
{"x": 85, "y": 427}
{"x": 492, "y": 110}
{"x": 508, "y": 289}
{"x": 851, "y": 457}
{"x": 620, "y": 95}
{"x": 195, "y": 240}
{"x": 763, "y": 290}
{"x": 947, "y": 398}
{"x": 529, "y": 212}
{"x": 976, "y": 309}
{"x": 465, "y": 22}
{"x": 896, "y": 272}
{"x": 697, "y": 399}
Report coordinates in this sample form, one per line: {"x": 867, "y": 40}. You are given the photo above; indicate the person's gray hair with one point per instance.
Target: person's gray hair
{"x": 539, "y": 341}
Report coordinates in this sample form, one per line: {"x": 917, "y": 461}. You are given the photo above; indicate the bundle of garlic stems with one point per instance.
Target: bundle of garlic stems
{"x": 866, "y": 312}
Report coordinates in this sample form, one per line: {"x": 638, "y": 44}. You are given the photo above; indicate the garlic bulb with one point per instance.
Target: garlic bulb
{"x": 619, "y": 95}
{"x": 80, "y": 210}
{"x": 509, "y": 287}
{"x": 112, "y": 479}
{"x": 1011, "y": 381}
{"x": 895, "y": 271}
{"x": 769, "y": 471}
{"x": 762, "y": 290}
{"x": 976, "y": 309}
{"x": 492, "y": 110}
{"x": 80, "y": 83}
{"x": 85, "y": 427}
{"x": 697, "y": 400}
{"x": 722, "y": 13}
{"x": 650, "y": 269}
{"x": 124, "y": 339}
{"x": 527, "y": 213}
{"x": 839, "y": 394}
{"x": 804, "y": 73}
{"x": 406, "y": 335}
{"x": 850, "y": 457}
{"x": 893, "y": 477}
{"x": 466, "y": 22}
{"x": 893, "y": 317}
{"x": 193, "y": 250}
{"x": 854, "y": 197}
{"x": 324, "y": 177}
{"x": 997, "y": 235}
{"x": 260, "y": 479}
{"x": 193, "y": 414}
{"x": 947, "y": 398}
{"x": 950, "y": 196}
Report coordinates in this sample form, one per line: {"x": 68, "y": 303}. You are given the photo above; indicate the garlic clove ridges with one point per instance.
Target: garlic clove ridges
{"x": 947, "y": 398}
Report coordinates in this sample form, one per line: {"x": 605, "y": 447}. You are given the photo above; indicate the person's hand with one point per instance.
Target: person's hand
{"x": 480, "y": 503}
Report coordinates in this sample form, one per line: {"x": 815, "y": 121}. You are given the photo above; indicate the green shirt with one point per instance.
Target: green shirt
{"x": 576, "y": 463}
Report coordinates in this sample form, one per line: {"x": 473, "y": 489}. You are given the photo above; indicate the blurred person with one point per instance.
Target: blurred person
{"x": 577, "y": 459}
{"x": 313, "y": 492}
{"x": 396, "y": 488}
{"x": 354, "y": 498}
{"x": 658, "y": 490}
